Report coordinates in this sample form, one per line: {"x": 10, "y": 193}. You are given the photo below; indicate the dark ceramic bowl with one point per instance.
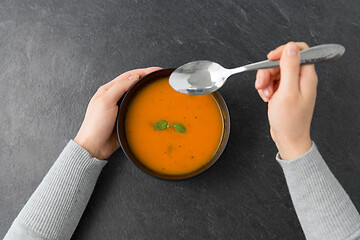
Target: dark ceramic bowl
{"x": 120, "y": 126}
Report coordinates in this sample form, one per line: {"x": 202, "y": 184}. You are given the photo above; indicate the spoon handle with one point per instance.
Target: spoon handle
{"x": 320, "y": 53}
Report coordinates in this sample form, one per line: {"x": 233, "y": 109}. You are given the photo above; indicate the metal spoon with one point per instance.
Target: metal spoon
{"x": 203, "y": 77}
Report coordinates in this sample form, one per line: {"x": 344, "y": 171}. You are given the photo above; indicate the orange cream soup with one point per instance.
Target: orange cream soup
{"x": 168, "y": 151}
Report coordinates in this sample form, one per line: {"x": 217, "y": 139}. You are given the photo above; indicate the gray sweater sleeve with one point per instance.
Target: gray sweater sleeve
{"x": 55, "y": 208}
{"x": 324, "y": 209}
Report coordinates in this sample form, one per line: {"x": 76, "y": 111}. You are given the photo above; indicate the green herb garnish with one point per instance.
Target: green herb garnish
{"x": 161, "y": 125}
{"x": 180, "y": 128}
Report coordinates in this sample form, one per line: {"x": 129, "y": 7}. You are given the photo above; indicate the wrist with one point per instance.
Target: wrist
{"x": 292, "y": 150}
{"x": 86, "y": 145}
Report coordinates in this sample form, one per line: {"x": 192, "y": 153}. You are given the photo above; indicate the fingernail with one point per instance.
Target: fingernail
{"x": 262, "y": 95}
{"x": 134, "y": 77}
{"x": 266, "y": 93}
{"x": 292, "y": 49}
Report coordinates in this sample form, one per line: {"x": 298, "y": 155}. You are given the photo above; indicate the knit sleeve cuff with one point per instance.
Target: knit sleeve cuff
{"x": 311, "y": 154}
{"x": 78, "y": 152}
{"x": 324, "y": 209}
{"x": 55, "y": 208}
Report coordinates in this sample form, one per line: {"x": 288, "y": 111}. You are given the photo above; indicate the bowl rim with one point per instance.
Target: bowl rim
{"x": 226, "y": 121}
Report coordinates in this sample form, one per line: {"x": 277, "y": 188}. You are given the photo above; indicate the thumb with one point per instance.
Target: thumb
{"x": 290, "y": 68}
{"x": 120, "y": 87}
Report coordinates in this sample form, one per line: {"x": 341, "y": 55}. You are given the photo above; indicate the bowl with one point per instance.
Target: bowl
{"x": 121, "y": 133}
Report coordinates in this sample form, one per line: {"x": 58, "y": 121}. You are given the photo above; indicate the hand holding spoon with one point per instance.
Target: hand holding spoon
{"x": 203, "y": 77}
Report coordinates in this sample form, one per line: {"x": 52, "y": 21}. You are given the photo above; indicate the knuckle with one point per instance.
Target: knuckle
{"x": 291, "y": 42}
{"x": 100, "y": 90}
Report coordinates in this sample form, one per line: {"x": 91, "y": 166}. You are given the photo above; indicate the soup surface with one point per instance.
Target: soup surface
{"x": 168, "y": 151}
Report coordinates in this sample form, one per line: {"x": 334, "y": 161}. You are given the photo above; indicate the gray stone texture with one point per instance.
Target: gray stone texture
{"x": 55, "y": 54}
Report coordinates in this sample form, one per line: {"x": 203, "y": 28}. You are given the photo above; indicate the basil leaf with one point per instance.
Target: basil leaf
{"x": 180, "y": 128}
{"x": 161, "y": 125}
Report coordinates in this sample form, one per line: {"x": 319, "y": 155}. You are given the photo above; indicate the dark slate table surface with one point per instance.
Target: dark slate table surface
{"x": 55, "y": 54}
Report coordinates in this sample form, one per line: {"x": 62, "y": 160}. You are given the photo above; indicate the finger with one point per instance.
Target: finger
{"x": 265, "y": 76}
{"x": 133, "y": 74}
{"x": 262, "y": 79}
{"x": 141, "y": 72}
{"x": 263, "y": 97}
{"x": 276, "y": 53}
{"x": 269, "y": 91}
{"x": 308, "y": 81}
{"x": 290, "y": 68}
{"x": 120, "y": 88}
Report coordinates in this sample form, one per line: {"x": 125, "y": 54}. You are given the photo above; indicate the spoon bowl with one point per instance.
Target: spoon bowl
{"x": 199, "y": 77}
